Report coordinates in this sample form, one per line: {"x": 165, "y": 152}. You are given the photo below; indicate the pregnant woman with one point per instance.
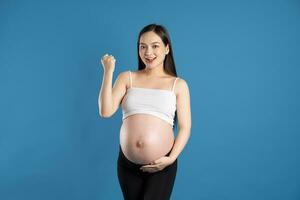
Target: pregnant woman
{"x": 152, "y": 98}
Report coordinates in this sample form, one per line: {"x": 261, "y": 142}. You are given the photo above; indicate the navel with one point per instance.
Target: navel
{"x": 139, "y": 144}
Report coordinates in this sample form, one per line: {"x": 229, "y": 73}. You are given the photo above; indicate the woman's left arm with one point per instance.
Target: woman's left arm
{"x": 183, "y": 107}
{"x": 184, "y": 127}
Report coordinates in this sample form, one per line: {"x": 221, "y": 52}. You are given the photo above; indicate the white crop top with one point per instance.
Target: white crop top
{"x": 158, "y": 102}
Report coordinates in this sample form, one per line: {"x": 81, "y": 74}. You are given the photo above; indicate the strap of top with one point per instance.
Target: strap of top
{"x": 174, "y": 84}
{"x": 130, "y": 79}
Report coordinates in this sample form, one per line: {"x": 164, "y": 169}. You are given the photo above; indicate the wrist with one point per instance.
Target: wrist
{"x": 172, "y": 158}
{"x": 108, "y": 72}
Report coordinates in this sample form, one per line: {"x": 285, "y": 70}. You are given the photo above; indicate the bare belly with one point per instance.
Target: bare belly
{"x": 145, "y": 138}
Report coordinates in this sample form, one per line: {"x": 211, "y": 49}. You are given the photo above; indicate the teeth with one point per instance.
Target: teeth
{"x": 150, "y": 59}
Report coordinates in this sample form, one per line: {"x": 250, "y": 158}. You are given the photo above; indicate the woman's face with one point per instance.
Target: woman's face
{"x": 152, "y": 50}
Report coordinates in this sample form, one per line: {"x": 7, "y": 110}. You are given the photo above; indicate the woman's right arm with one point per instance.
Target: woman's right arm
{"x": 110, "y": 98}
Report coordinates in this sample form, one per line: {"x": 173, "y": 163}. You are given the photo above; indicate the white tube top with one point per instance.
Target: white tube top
{"x": 157, "y": 102}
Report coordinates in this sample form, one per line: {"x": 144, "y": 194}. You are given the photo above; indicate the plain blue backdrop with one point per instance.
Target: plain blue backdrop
{"x": 239, "y": 58}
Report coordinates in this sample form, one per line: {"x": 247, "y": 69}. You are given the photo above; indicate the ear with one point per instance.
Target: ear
{"x": 167, "y": 49}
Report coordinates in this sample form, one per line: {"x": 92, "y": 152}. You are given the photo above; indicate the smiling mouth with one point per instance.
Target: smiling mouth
{"x": 150, "y": 60}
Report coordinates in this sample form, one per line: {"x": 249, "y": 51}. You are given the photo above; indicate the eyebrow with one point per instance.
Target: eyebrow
{"x": 151, "y": 43}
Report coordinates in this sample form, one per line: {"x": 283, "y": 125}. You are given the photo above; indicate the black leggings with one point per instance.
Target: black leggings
{"x": 139, "y": 185}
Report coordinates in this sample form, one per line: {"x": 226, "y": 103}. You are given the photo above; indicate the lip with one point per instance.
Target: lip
{"x": 151, "y": 60}
{"x": 150, "y": 57}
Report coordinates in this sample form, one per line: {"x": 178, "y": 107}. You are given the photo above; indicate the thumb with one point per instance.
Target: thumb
{"x": 157, "y": 161}
{"x": 153, "y": 162}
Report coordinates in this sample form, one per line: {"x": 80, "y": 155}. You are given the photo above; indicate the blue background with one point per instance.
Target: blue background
{"x": 239, "y": 58}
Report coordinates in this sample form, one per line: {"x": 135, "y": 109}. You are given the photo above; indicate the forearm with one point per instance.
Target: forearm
{"x": 180, "y": 142}
{"x": 105, "y": 94}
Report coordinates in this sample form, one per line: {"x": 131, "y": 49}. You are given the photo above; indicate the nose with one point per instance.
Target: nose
{"x": 148, "y": 51}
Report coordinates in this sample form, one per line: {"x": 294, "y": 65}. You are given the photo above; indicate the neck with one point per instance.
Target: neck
{"x": 155, "y": 72}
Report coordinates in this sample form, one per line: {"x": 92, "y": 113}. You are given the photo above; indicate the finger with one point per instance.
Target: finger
{"x": 145, "y": 166}
{"x": 146, "y": 170}
{"x": 148, "y": 166}
{"x": 111, "y": 58}
{"x": 156, "y": 162}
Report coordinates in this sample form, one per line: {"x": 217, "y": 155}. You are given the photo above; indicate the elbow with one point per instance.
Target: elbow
{"x": 104, "y": 115}
{"x": 187, "y": 125}
{"x": 105, "y": 111}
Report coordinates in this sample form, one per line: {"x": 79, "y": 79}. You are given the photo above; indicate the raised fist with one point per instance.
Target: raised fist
{"x": 108, "y": 62}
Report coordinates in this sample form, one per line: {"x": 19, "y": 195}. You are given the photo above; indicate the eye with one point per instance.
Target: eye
{"x": 155, "y": 46}
{"x": 142, "y": 47}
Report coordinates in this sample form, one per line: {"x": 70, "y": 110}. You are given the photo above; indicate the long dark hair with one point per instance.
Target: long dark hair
{"x": 169, "y": 63}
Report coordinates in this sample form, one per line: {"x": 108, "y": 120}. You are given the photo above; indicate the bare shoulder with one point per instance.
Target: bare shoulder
{"x": 124, "y": 74}
{"x": 181, "y": 87}
{"x": 123, "y": 78}
{"x": 136, "y": 73}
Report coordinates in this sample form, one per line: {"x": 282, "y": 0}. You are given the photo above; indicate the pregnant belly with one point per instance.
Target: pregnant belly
{"x": 145, "y": 138}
